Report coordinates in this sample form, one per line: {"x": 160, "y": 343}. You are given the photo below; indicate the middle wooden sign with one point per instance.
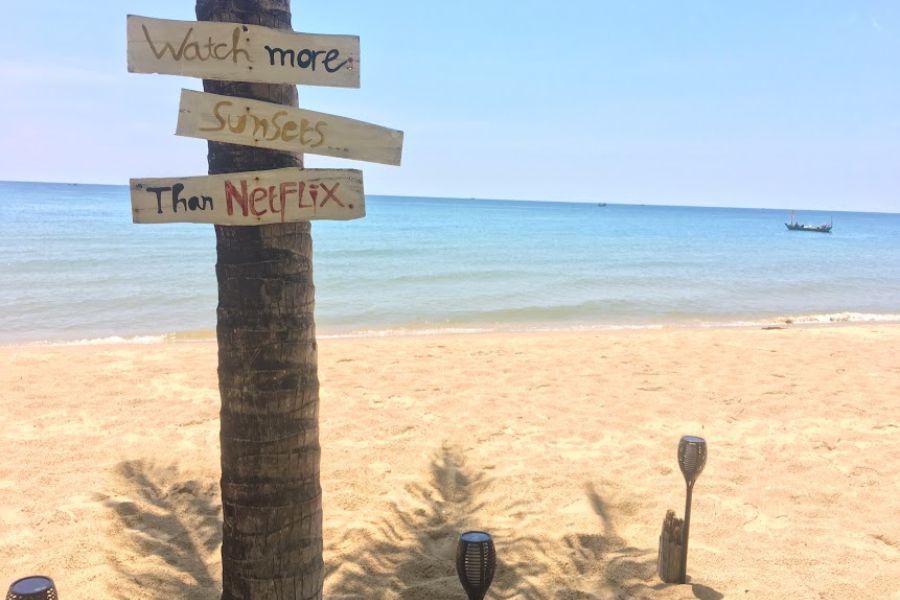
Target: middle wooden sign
{"x": 267, "y": 125}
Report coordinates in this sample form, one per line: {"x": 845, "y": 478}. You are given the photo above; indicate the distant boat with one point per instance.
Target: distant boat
{"x": 795, "y": 226}
{"x": 601, "y": 204}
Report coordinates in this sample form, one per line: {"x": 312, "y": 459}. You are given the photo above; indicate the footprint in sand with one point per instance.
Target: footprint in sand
{"x": 380, "y": 468}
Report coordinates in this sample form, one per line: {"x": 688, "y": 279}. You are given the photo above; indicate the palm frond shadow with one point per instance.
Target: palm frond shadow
{"x": 622, "y": 570}
{"x": 604, "y": 564}
{"x": 411, "y": 553}
{"x": 174, "y": 523}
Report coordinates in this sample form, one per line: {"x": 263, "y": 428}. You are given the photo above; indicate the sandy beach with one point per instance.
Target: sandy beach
{"x": 561, "y": 444}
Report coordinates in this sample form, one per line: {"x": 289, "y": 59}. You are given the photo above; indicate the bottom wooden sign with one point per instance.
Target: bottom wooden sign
{"x": 250, "y": 198}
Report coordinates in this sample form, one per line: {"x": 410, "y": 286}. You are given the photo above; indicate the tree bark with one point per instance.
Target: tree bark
{"x": 268, "y": 380}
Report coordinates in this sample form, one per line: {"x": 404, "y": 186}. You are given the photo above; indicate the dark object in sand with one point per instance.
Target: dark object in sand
{"x": 668, "y": 561}
{"x": 691, "y": 460}
{"x": 475, "y": 563}
{"x": 36, "y": 587}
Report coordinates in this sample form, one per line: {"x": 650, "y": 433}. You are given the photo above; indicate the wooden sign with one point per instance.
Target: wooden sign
{"x": 237, "y": 52}
{"x": 268, "y": 125}
{"x": 250, "y": 198}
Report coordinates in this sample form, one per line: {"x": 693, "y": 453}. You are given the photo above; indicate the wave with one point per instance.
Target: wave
{"x": 684, "y": 323}
{"x": 113, "y": 339}
{"x": 404, "y": 331}
{"x": 835, "y": 318}
{"x": 841, "y": 317}
{"x": 500, "y": 327}
{"x": 427, "y": 331}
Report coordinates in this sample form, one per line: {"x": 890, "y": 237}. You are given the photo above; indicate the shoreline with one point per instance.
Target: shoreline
{"x": 837, "y": 319}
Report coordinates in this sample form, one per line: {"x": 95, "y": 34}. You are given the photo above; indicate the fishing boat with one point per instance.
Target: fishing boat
{"x": 795, "y": 226}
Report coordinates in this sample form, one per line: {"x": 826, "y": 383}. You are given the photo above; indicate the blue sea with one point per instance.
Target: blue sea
{"x": 75, "y": 268}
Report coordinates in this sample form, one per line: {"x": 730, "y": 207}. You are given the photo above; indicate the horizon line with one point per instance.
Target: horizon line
{"x": 533, "y": 200}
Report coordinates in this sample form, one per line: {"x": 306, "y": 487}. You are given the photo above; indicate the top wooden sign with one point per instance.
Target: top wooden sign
{"x": 236, "y": 52}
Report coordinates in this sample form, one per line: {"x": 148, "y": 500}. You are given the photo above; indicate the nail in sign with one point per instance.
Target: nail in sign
{"x": 239, "y": 52}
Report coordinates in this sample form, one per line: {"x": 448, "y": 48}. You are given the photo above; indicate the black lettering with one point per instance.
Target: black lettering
{"x": 306, "y": 58}
{"x": 331, "y": 56}
{"x": 176, "y": 189}
{"x": 158, "y": 191}
{"x": 195, "y": 203}
{"x": 280, "y": 51}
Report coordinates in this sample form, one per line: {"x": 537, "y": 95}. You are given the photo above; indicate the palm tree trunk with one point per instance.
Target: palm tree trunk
{"x": 271, "y": 496}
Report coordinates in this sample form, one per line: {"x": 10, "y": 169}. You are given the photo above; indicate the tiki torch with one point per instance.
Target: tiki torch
{"x": 691, "y": 460}
{"x": 475, "y": 563}
{"x": 36, "y": 587}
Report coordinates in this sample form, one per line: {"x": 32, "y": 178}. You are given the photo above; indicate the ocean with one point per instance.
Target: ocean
{"x": 75, "y": 268}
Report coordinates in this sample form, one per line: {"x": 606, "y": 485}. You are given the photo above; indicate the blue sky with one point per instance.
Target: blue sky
{"x": 792, "y": 104}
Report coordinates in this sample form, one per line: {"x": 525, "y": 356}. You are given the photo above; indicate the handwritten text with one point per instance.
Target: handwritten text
{"x": 279, "y": 126}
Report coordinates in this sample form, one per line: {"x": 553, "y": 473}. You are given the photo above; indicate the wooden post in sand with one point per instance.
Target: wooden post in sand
{"x": 671, "y": 549}
{"x": 261, "y": 200}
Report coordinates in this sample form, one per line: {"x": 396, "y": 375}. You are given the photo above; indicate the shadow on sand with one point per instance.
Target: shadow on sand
{"x": 603, "y": 564}
{"x": 173, "y": 526}
{"x": 705, "y": 592}
{"x": 624, "y": 570}
{"x": 412, "y": 553}
{"x": 172, "y": 530}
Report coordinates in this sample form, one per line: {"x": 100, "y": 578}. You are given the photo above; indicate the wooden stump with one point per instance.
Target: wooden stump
{"x": 671, "y": 548}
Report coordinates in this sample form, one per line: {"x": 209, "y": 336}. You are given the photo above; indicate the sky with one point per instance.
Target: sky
{"x": 779, "y": 104}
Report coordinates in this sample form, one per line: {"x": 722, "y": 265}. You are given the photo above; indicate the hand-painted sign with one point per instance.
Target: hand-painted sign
{"x": 237, "y": 52}
{"x": 267, "y": 125}
{"x": 250, "y": 198}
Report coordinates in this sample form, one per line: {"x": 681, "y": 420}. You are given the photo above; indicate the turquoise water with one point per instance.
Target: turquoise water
{"x": 75, "y": 267}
